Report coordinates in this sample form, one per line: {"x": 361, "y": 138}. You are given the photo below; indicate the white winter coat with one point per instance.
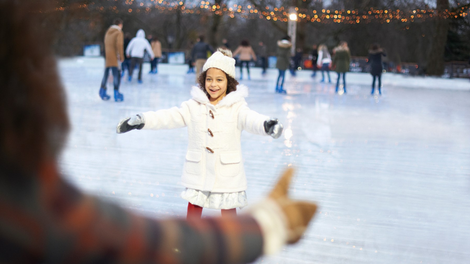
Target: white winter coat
{"x": 323, "y": 57}
{"x": 138, "y": 45}
{"x": 214, "y": 158}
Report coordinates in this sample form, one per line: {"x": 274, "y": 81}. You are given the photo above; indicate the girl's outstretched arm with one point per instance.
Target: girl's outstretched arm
{"x": 161, "y": 119}
{"x": 259, "y": 124}
{"x": 251, "y": 121}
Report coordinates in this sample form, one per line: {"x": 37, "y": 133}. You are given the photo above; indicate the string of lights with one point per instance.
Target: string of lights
{"x": 277, "y": 13}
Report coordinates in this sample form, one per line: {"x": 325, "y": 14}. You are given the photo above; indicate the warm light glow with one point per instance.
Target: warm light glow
{"x": 279, "y": 13}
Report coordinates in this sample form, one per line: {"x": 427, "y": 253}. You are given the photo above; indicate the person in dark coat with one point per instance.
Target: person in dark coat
{"x": 341, "y": 61}
{"x": 225, "y": 43}
{"x": 376, "y": 68}
{"x": 297, "y": 60}
{"x": 189, "y": 59}
{"x": 314, "y": 60}
{"x": 127, "y": 60}
{"x": 199, "y": 54}
{"x": 263, "y": 55}
{"x": 283, "y": 60}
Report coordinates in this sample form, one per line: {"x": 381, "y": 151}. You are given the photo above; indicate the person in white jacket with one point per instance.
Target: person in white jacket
{"x": 136, "y": 50}
{"x": 213, "y": 173}
{"x": 324, "y": 62}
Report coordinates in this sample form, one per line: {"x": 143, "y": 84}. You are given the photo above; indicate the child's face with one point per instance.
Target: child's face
{"x": 216, "y": 84}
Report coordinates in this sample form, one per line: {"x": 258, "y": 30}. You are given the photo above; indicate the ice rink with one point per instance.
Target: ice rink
{"x": 391, "y": 174}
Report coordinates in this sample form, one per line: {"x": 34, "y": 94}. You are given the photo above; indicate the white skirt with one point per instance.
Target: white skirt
{"x": 214, "y": 200}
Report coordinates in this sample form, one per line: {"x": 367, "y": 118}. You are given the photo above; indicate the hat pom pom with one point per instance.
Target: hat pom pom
{"x": 226, "y": 52}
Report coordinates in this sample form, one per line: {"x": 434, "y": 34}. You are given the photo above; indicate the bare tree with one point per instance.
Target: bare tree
{"x": 435, "y": 65}
{"x": 216, "y": 20}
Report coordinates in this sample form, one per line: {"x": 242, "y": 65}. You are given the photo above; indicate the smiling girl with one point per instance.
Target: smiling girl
{"x": 216, "y": 115}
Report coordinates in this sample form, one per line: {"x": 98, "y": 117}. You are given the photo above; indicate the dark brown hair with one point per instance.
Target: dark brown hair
{"x": 33, "y": 117}
{"x": 374, "y": 46}
{"x": 117, "y": 21}
{"x": 231, "y": 83}
{"x": 245, "y": 43}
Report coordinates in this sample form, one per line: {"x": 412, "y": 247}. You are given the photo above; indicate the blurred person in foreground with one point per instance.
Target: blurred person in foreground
{"x": 44, "y": 219}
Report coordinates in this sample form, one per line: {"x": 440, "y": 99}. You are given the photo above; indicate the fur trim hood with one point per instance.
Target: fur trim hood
{"x": 116, "y": 27}
{"x": 341, "y": 48}
{"x": 234, "y": 97}
{"x": 284, "y": 43}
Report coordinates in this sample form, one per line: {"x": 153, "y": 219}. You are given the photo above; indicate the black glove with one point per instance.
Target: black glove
{"x": 130, "y": 123}
{"x": 273, "y": 128}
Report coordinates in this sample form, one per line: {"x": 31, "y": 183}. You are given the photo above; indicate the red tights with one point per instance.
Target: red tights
{"x": 195, "y": 212}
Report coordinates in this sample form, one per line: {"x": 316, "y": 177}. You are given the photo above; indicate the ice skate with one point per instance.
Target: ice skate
{"x": 118, "y": 97}
{"x": 103, "y": 94}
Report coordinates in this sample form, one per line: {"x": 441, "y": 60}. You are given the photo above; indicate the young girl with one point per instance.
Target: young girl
{"x": 215, "y": 116}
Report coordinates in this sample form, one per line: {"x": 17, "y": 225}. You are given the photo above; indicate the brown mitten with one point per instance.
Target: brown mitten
{"x": 297, "y": 213}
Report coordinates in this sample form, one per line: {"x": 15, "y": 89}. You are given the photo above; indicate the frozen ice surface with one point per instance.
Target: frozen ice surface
{"x": 391, "y": 174}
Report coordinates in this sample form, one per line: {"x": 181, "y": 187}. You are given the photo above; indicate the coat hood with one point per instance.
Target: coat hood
{"x": 140, "y": 34}
{"x": 376, "y": 51}
{"x": 116, "y": 27}
{"x": 284, "y": 43}
{"x": 341, "y": 48}
{"x": 230, "y": 99}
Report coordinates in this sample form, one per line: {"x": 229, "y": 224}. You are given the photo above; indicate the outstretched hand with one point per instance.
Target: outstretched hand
{"x": 130, "y": 123}
{"x": 297, "y": 213}
{"x": 273, "y": 128}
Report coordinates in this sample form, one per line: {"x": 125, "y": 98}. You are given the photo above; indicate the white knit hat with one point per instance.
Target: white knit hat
{"x": 222, "y": 60}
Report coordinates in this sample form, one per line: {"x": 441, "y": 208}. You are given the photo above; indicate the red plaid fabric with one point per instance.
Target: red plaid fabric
{"x": 46, "y": 220}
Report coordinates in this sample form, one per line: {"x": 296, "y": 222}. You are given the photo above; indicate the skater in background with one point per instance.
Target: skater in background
{"x": 283, "y": 61}
{"x": 263, "y": 55}
{"x": 296, "y": 61}
{"x": 136, "y": 51}
{"x": 199, "y": 54}
{"x": 376, "y": 67}
{"x": 324, "y": 62}
{"x": 314, "y": 60}
{"x": 341, "y": 61}
{"x": 225, "y": 44}
{"x": 114, "y": 54}
{"x": 189, "y": 58}
{"x": 215, "y": 116}
{"x": 157, "y": 51}
{"x": 246, "y": 55}
{"x": 126, "y": 63}
{"x": 45, "y": 219}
